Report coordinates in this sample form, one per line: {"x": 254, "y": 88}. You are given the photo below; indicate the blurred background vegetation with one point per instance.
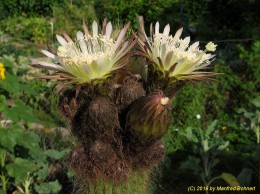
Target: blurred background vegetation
{"x": 216, "y": 126}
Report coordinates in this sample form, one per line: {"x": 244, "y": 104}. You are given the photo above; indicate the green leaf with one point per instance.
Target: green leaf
{"x": 256, "y": 102}
{"x": 214, "y": 163}
{"x": 7, "y": 62}
{"x": 205, "y": 145}
{"x": 28, "y": 90}
{"x": 230, "y": 179}
{"x": 190, "y": 135}
{"x": 20, "y": 168}
{"x": 42, "y": 173}
{"x": 245, "y": 177}
{"x": 211, "y": 128}
{"x": 2, "y": 192}
{"x": 56, "y": 155}
{"x": 192, "y": 163}
{"x": 11, "y": 84}
{"x": 31, "y": 141}
{"x": 3, "y": 105}
{"x": 9, "y": 136}
{"x": 223, "y": 146}
{"x": 20, "y": 111}
{"x": 49, "y": 187}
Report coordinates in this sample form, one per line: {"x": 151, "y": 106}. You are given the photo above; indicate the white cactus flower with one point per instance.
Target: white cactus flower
{"x": 174, "y": 58}
{"x": 90, "y": 58}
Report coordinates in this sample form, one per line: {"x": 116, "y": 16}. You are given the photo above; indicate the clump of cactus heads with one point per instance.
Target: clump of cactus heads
{"x": 119, "y": 112}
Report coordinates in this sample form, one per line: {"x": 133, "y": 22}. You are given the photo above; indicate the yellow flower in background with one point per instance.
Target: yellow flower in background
{"x": 224, "y": 129}
{"x": 2, "y": 71}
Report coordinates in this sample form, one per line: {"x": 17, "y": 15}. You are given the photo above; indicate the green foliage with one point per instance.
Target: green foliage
{"x": 173, "y": 140}
{"x": 24, "y": 164}
{"x": 124, "y": 11}
{"x": 20, "y": 168}
{"x": 11, "y": 8}
{"x": 24, "y": 157}
{"x": 56, "y": 155}
{"x": 245, "y": 177}
{"x": 230, "y": 179}
{"x": 68, "y": 16}
{"x": 33, "y": 29}
{"x": 211, "y": 19}
{"x": 52, "y": 187}
{"x": 232, "y": 100}
{"x": 219, "y": 100}
{"x": 206, "y": 147}
{"x": 18, "y": 85}
{"x": 251, "y": 119}
{"x": 252, "y": 57}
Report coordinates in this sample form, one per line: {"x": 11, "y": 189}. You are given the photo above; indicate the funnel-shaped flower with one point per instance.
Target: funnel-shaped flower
{"x": 90, "y": 58}
{"x": 174, "y": 58}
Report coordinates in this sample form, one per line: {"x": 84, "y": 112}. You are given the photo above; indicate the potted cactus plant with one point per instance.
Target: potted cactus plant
{"x": 115, "y": 94}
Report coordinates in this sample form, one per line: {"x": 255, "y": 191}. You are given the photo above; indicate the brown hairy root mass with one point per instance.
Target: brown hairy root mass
{"x": 149, "y": 157}
{"x": 97, "y": 120}
{"x": 69, "y": 102}
{"x": 130, "y": 91}
{"x": 102, "y": 113}
{"x": 109, "y": 88}
{"x": 103, "y": 155}
{"x": 113, "y": 169}
{"x": 101, "y": 120}
{"x": 77, "y": 128}
{"x": 80, "y": 162}
{"x": 119, "y": 172}
{"x": 100, "y": 164}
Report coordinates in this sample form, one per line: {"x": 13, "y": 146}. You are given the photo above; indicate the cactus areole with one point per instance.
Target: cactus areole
{"x": 119, "y": 112}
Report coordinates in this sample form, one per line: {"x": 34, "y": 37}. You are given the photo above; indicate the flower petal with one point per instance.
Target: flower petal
{"x": 48, "y": 54}
{"x": 195, "y": 44}
{"x": 48, "y": 66}
{"x": 95, "y": 29}
{"x": 168, "y": 58}
{"x": 166, "y": 30}
{"x": 85, "y": 28}
{"x": 61, "y": 40}
{"x": 82, "y": 43}
{"x": 109, "y": 30}
{"x": 157, "y": 29}
{"x": 178, "y": 34}
{"x": 120, "y": 37}
{"x": 66, "y": 36}
{"x": 187, "y": 40}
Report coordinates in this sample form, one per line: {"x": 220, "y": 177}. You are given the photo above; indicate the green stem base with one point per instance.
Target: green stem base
{"x": 137, "y": 183}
